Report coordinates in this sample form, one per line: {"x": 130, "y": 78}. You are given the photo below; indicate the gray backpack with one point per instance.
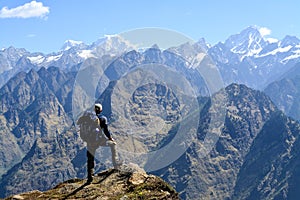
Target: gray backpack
{"x": 90, "y": 130}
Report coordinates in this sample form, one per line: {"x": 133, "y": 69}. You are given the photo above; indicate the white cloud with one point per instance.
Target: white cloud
{"x": 28, "y": 10}
{"x": 264, "y": 31}
{"x": 31, "y": 35}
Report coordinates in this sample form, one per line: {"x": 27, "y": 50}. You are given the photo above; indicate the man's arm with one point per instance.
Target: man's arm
{"x": 104, "y": 127}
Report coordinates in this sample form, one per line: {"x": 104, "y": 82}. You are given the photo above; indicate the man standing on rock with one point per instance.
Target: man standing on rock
{"x": 94, "y": 138}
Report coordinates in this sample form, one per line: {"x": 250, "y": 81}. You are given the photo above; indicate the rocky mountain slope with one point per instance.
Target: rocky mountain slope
{"x": 271, "y": 168}
{"x": 125, "y": 183}
{"x": 247, "y": 129}
{"x": 34, "y": 105}
{"x": 285, "y": 92}
{"x": 213, "y": 176}
{"x": 37, "y": 139}
{"x": 254, "y": 157}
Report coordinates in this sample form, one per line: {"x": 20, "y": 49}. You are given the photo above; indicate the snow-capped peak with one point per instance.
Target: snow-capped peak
{"x": 70, "y": 43}
{"x": 38, "y": 59}
{"x": 113, "y": 44}
{"x": 248, "y": 42}
{"x": 112, "y": 40}
{"x": 290, "y": 40}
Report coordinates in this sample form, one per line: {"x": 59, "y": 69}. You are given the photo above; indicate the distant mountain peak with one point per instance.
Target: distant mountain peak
{"x": 248, "y": 42}
{"x": 13, "y": 50}
{"x": 252, "y": 29}
{"x": 290, "y": 40}
{"x": 117, "y": 39}
{"x": 70, "y": 43}
{"x": 112, "y": 45}
{"x": 204, "y": 44}
{"x": 155, "y": 46}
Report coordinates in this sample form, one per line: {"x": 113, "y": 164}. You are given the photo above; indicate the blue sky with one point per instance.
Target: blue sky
{"x": 44, "y": 25}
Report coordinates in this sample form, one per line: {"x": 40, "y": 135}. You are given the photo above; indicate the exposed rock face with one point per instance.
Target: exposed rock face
{"x": 32, "y": 107}
{"x": 255, "y": 156}
{"x": 124, "y": 183}
{"x": 271, "y": 168}
{"x": 36, "y": 134}
{"x": 48, "y": 162}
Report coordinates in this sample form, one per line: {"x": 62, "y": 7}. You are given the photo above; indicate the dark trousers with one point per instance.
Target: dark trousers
{"x": 91, "y": 150}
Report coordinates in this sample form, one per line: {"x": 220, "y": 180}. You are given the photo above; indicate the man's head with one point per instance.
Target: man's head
{"x": 98, "y": 108}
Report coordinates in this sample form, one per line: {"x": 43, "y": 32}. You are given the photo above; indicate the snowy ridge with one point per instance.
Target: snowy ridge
{"x": 113, "y": 41}
{"x": 295, "y": 55}
{"x": 274, "y": 52}
{"x": 79, "y": 51}
{"x": 85, "y": 54}
{"x": 53, "y": 58}
{"x": 36, "y": 59}
{"x": 70, "y": 43}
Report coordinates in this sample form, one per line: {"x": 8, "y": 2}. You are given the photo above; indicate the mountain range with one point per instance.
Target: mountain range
{"x": 71, "y": 55}
{"x": 251, "y": 59}
{"x": 255, "y": 155}
{"x": 247, "y": 57}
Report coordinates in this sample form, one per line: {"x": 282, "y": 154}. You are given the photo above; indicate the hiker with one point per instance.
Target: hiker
{"x": 96, "y": 138}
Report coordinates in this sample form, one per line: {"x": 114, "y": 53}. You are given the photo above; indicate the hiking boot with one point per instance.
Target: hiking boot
{"x": 89, "y": 180}
{"x": 90, "y": 175}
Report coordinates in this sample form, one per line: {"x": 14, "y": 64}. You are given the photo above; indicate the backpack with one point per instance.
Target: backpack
{"x": 90, "y": 131}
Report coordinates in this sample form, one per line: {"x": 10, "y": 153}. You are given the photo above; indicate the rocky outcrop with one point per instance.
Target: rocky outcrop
{"x": 128, "y": 182}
